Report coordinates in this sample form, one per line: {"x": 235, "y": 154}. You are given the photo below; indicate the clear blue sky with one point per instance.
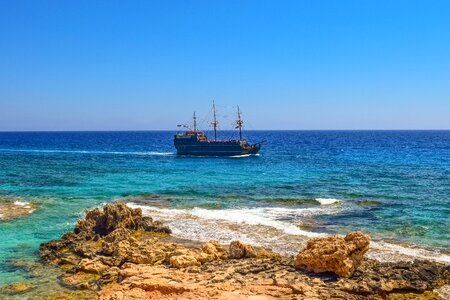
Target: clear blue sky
{"x": 107, "y": 65}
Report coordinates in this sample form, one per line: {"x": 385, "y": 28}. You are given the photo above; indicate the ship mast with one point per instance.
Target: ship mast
{"x": 214, "y": 123}
{"x": 239, "y": 123}
{"x": 195, "y": 122}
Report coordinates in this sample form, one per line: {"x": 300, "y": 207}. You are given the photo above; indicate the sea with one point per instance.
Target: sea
{"x": 393, "y": 185}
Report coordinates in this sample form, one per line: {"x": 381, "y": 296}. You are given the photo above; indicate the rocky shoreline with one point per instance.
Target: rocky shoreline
{"x": 116, "y": 253}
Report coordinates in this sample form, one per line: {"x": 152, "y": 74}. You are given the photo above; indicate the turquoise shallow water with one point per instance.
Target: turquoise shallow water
{"x": 392, "y": 184}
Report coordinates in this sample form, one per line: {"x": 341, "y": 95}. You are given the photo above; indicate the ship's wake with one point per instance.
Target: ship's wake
{"x": 91, "y": 152}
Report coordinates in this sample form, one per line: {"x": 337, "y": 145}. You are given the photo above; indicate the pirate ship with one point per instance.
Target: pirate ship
{"x": 194, "y": 142}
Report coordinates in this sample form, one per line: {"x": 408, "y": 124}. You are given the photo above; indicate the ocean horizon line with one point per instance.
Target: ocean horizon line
{"x": 224, "y": 130}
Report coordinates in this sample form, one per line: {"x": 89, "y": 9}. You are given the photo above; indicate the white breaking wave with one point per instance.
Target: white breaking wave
{"x": 259, "y": 216}
{"x": 272, "y": 227}
{"x": 262, "y": 226}
{"x": 21, "y": 203}
{"x": 327, "y": 201}
{"x": 265, "y": 216}
{"x": 149, "y": 153}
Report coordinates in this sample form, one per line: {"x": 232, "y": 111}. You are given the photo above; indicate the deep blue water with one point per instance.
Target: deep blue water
{"x": 392, "y": 184}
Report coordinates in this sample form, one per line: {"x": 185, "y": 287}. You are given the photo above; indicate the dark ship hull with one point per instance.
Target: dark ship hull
{"x": 194, "y": 147}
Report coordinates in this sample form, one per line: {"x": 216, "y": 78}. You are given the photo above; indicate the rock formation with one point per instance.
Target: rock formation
{"x": 337, "y": 254}
{"x": 116, "y": 253}
{"x": 108, "y": 232}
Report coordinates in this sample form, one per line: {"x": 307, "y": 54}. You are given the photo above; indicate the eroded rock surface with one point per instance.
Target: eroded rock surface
{"x": 338, "y": 254}
{"x": 387, "y": 277}
{"x": 119, "y": 254}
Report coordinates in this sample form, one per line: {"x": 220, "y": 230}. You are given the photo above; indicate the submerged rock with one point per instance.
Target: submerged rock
{"x": 337, "y": 254}
{"x": 147, "y": 199}
{"x": 12, "y": 208}
{"x": 18, "y": 288}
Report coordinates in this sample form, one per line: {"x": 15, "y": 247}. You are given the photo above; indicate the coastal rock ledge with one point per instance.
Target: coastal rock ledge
{"x": 117, "y": 253}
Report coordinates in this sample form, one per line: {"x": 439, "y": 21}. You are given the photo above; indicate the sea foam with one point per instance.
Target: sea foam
{"x": 327, "y": 201}
{"x": 258, "y": 216}
{"x": 260, "y": 226}
{"x": 264, "y": 216}
{"x": 273, "y": 227}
